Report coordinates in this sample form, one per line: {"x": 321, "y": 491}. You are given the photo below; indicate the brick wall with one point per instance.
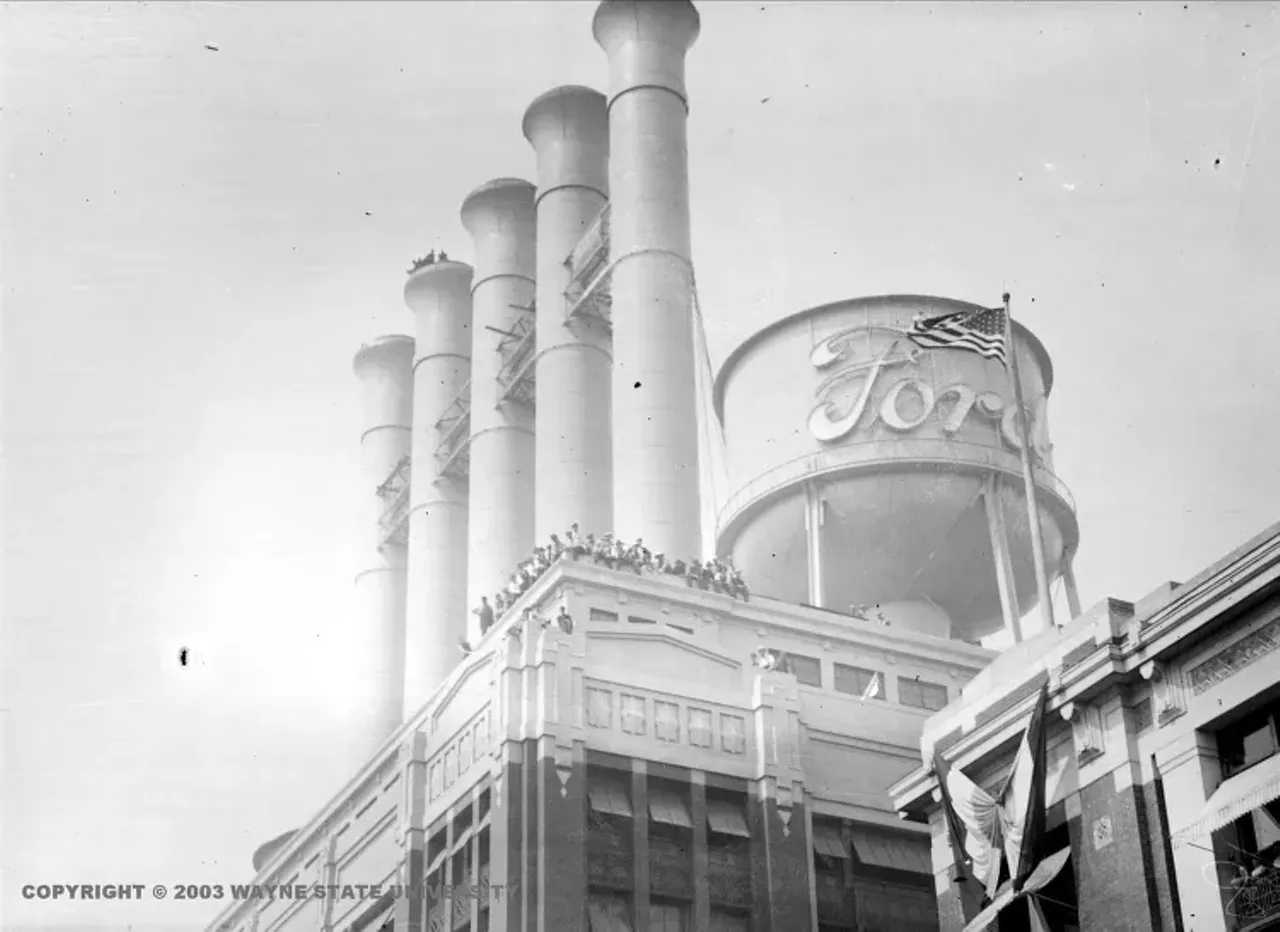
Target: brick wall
{"x": 1115, "y": 885}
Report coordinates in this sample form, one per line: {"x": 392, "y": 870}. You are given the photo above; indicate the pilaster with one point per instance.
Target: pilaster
{"x": 1190, "y": 771}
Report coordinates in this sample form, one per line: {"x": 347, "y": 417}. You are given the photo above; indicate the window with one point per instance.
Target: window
{"x": 599, "y": 708}
{"x": 700, "y": 728}
{"x": 666, "y": 917}
{"x": 608, "y": 797}
{"x": 450, "y": 766}
{"x": 724, "y": 921}
{"x": 637, "y": 620}
{"x": 608, "y": 913}
{"x": 857, "y": 681}
{"x": 667, "y": 807}
{"x": 599, "y": 614}
{"x": 806, "y": 670}
{"x": 666, "y": 720}
{"x": 733, "y": 734}
{"x": 726, "y": 818}
{"x": 1248, "y": 740}
{"x": 918, "y": 694}
{"x": 688, "y": 631}
{"x": 632, "y": 714}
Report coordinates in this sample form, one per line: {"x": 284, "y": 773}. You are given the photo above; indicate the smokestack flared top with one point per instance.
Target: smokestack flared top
{"x": 501, "y": 217}
{"x": 384, "y": 352}
{"x": 426, "y": 283}
{"x": 646, "y": 41}
{"x": 568, "y": 128}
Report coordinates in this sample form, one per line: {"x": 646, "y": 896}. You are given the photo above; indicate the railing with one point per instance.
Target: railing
{"x": 596, "y": 302}
{"x": 394, "y": 493}
{"x": 1256, "y": 901}
{"x": 590, "y": 276}
{"x": 451, "y": 453}
{"x": 591, "y": 251}
{"x": 517, "y": 373}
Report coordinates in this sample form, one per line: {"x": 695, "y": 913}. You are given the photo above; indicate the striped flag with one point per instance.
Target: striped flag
{"x": 971, "y": 888}
{"x": 981, "y": 331}
{"x": 1023, "y": 797}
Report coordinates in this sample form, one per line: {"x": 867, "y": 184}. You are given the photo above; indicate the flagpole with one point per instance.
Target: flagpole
{"x": 1028, "y": 477}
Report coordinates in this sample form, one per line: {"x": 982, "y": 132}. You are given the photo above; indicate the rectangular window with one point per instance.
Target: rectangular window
{"x": 722, "y": 921}
{"x": 733, "y": 734}
{"x": 858, "y": 681}
{"x": 465, "y": 759}
{"x": 700, "y": 728}
{"x": 599, "y": 708}
{"x": 666, "y": 917}
{"x": 637, "y": 620}
{"x": 918, "y": 694}
{"x": 608, "y": 913}
{"x": 477, "y": 736}
{"x": 450, "y": 766}
{"x": 806, "y": 670}
{"x": 632, "y": 714}
{"x": 666, "y": 721}
{"x": 1248, "y": 741}
{"x": 599, "y": 614}
{"x": 680, "y": 628}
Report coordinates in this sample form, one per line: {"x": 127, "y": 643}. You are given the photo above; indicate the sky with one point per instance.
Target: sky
{"x": 194, "y": 243}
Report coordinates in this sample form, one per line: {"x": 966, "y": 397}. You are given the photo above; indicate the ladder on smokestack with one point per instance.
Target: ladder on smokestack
{"x": 518, "y": 363}
{"x": 453, "y": 451}
{"x": 589, "y": 295}
{"x": 394, "y": 493}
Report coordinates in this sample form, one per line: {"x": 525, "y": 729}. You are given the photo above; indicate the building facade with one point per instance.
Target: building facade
{"x": 1163, "y": 774}
{"x": 636, "y": 771}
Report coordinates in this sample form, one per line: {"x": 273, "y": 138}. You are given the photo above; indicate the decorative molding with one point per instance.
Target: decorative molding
{"x": 1103, "y": 833}
{"x": 1086, "y": 729}
{"x": 1167, "y": 690}
{"x": 1235, "y": 657}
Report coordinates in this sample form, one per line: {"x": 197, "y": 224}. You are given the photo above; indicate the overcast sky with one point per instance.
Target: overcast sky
{"x": 196, "y": 242}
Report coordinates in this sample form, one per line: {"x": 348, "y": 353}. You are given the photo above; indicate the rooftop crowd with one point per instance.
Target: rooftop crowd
{"x": 711, "y": 575}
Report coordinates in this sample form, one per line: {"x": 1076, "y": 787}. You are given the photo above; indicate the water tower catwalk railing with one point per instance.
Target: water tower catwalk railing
{"x": 589, "y": 293}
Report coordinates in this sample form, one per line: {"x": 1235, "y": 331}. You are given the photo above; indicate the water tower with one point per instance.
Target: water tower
{"x": 871, "y": 475}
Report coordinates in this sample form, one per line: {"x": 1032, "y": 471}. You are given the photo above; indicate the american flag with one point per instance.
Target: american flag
{"x": 977, "y": 331}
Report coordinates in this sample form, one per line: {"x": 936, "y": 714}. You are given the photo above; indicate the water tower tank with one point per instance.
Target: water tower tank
{"x": 866, "y": 471}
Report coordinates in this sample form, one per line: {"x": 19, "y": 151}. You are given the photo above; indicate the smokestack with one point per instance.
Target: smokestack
{"x": 655, "y": 421}
{"x": 436, "y": 614}
{"x": 384, "y": 368}
{"x": 569, "y": 130}
{"x": 500, "y": 218}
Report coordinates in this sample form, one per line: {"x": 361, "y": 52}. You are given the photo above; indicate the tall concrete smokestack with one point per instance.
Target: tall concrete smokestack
{"x": 569, "y": 130}
{"x": 655, "y": 424}
{"x": 500, "y": 218}
{"x": 385, "y": 370}
{"x": 440, "y": 297}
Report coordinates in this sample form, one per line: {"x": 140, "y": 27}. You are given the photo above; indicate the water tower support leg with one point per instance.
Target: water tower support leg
{"x": 813, "y": 515}
{"x": 1069, "y": 583}
{"x": 1000, "y": 550}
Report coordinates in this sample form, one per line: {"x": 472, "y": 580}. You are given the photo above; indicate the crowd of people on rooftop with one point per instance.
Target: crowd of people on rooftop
{"x": 429, "y": 259}
{"x": 711, "y": 575}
